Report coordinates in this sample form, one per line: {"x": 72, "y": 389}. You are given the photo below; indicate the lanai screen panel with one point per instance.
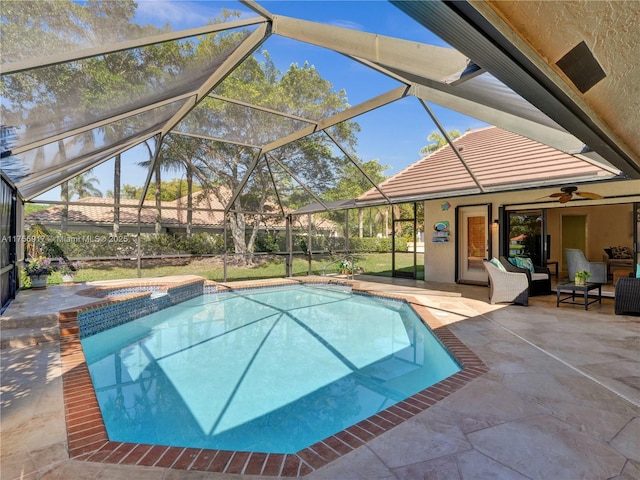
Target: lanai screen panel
{"x": 227, "y": 121}
{"x": 307, "y": 170}
{"x": 46, "y": 27}
{"x": 302, "y": 80}
{"x": 52, "y": 100}
{"x": 35, "y": 187}
{"x": 48, "y": 158}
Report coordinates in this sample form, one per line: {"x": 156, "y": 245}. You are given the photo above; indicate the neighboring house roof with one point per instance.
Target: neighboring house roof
{"x": 499, "y": 160}
{"x": 99, "y": 210}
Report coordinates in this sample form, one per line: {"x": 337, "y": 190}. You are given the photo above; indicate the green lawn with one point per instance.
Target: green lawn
{"x": 371, "y": 263}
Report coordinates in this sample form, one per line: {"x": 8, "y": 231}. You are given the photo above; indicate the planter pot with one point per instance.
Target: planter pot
{"x": 579, "y": 281}
{"x": 68, "y": 277}
{"x": 38, "y": 282}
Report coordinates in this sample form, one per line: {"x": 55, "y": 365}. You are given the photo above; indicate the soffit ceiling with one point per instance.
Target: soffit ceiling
{"x": 444, "y": 76}
{"x": 521, "y": 42}
{"x": 610, "y": 30}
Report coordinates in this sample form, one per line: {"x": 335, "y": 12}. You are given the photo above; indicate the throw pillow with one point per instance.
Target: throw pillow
{"x": 527, "y": 263}
{"x": 523, "y": 262}
{"x": 608, "y": 252}
{"x": 638, "y": 270}
{"x": 496, "y": 263}
{"x": 621, "y": 252}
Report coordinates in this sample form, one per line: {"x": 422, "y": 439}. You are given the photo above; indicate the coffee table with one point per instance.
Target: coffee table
{"x": 583, "y": 289}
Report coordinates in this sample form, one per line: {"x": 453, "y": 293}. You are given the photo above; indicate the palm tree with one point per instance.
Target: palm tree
{"x": 83, "y": 186}
{"x": 163, "y": 162}
{"x": 437, "y": 141}
{"x": 116, "y": 195}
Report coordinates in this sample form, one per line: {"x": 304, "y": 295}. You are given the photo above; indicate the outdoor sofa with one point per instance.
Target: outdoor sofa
{"x": 539, "y": 280}
{"x": 627, "y": 295}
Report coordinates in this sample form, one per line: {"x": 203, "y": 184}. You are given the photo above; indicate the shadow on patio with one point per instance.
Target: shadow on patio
{"x": 560, "y": 401}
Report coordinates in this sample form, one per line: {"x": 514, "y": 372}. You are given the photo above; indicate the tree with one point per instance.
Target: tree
{"x": 83, "y": 185}
{"x": 118, "y": 82}
{"x": 437, "y": 141}
{"x": 116, "y": 194}
{"x": 352, "y": 183}
{"x": 59, "y": 97}
{"x": 96, "y": 87}
{"x": 221, "y": 167}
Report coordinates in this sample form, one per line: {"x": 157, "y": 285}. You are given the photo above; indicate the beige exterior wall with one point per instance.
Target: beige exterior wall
{"x": 606, "y": 226}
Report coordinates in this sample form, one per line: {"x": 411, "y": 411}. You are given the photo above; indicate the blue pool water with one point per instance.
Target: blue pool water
{"x": 267, "y": 370}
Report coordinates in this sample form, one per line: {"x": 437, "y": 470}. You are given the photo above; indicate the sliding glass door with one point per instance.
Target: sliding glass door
{"x": 527, "y": 236}
{"x": 408, "y": 241}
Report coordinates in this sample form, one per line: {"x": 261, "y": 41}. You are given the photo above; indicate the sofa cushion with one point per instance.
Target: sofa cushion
{"x": 621, "y": 252}
{"x": 539, "y": 276}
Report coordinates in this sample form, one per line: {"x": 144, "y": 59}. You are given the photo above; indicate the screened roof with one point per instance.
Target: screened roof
{"x": 77, "y": 90}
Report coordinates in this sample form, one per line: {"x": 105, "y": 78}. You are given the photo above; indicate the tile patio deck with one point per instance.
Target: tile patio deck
{"x": 561, "y": 399}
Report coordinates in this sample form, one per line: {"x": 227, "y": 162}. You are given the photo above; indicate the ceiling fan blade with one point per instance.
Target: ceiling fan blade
{"x": 594, "y": 196}
{"x": 556, "y": 195}
{"x": 565, "y": 198}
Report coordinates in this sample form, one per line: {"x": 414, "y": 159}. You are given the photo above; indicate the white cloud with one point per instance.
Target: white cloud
{"x": 180, "y": 15}
{"x": 347, "y": 24}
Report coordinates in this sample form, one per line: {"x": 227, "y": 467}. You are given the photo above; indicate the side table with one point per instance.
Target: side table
{"x": 583, "y": 289}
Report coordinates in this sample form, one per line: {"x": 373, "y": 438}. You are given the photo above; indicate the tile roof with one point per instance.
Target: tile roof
{"x": 499, "y": 159}
{"x": 99, "y": 210}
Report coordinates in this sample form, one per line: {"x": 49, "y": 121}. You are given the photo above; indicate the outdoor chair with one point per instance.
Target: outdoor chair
{"x": 506, "y": 286}
{"x": 577, "y": 261}
{"x": 627, "y": 295}
{"x": 539, "y": 279}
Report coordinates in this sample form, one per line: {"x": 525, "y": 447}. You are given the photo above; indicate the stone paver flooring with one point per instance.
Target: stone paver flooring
{"x": 561, "y": 400}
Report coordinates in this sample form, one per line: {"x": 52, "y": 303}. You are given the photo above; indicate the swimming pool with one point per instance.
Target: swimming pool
{"x": 269, "y": 370}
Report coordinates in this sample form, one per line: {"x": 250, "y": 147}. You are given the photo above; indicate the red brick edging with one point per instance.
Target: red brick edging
{"x": 88, "y": 440}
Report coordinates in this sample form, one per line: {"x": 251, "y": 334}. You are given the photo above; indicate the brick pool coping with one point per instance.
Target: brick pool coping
{"x": 88, "y": 441}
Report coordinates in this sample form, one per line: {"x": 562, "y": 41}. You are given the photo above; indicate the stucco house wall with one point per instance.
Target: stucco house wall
{"x": 611, "y": 226}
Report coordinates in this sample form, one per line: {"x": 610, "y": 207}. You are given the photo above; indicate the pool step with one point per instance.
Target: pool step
{"x": 18, "y": 332}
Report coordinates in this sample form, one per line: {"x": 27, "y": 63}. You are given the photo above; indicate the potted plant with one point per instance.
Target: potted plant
{"x": 38, "y": 270}
{"x": 68, "y": 270}
{"x": 581, "y": 277}
{"x": 345, "y": 266}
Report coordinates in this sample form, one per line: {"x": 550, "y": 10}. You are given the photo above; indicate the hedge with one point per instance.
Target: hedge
{"x": 88, "y": 244}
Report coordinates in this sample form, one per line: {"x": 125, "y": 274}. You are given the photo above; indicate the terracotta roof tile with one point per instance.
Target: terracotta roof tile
{"x": 100, "y": 211}
{"x": 496, "y": 157}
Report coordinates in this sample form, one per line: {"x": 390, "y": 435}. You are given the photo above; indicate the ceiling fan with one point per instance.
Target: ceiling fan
{"x": 566, "y": 194}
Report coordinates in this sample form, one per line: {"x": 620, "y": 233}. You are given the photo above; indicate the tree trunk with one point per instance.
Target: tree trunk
{"x": 64, "y": 190}
{"x": 252, "y": 241}
{"x": 64, "y": 196}
{"x": 158, "y": 200}
{"x": 360, "y": 223}
{"x": 116, "y": 195}
{"x": 386, "y": 222}
{"x": 189, "y": 200}
{"x": 238, "y": 225}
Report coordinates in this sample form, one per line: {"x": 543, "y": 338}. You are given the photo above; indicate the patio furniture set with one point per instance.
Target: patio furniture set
{"x": 514, "y": 280}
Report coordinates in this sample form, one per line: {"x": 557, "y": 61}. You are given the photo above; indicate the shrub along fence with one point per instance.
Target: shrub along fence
{"x": 87, "y": 244}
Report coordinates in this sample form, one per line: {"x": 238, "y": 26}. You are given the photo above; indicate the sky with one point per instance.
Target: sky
{"x": 393, "y": 134}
